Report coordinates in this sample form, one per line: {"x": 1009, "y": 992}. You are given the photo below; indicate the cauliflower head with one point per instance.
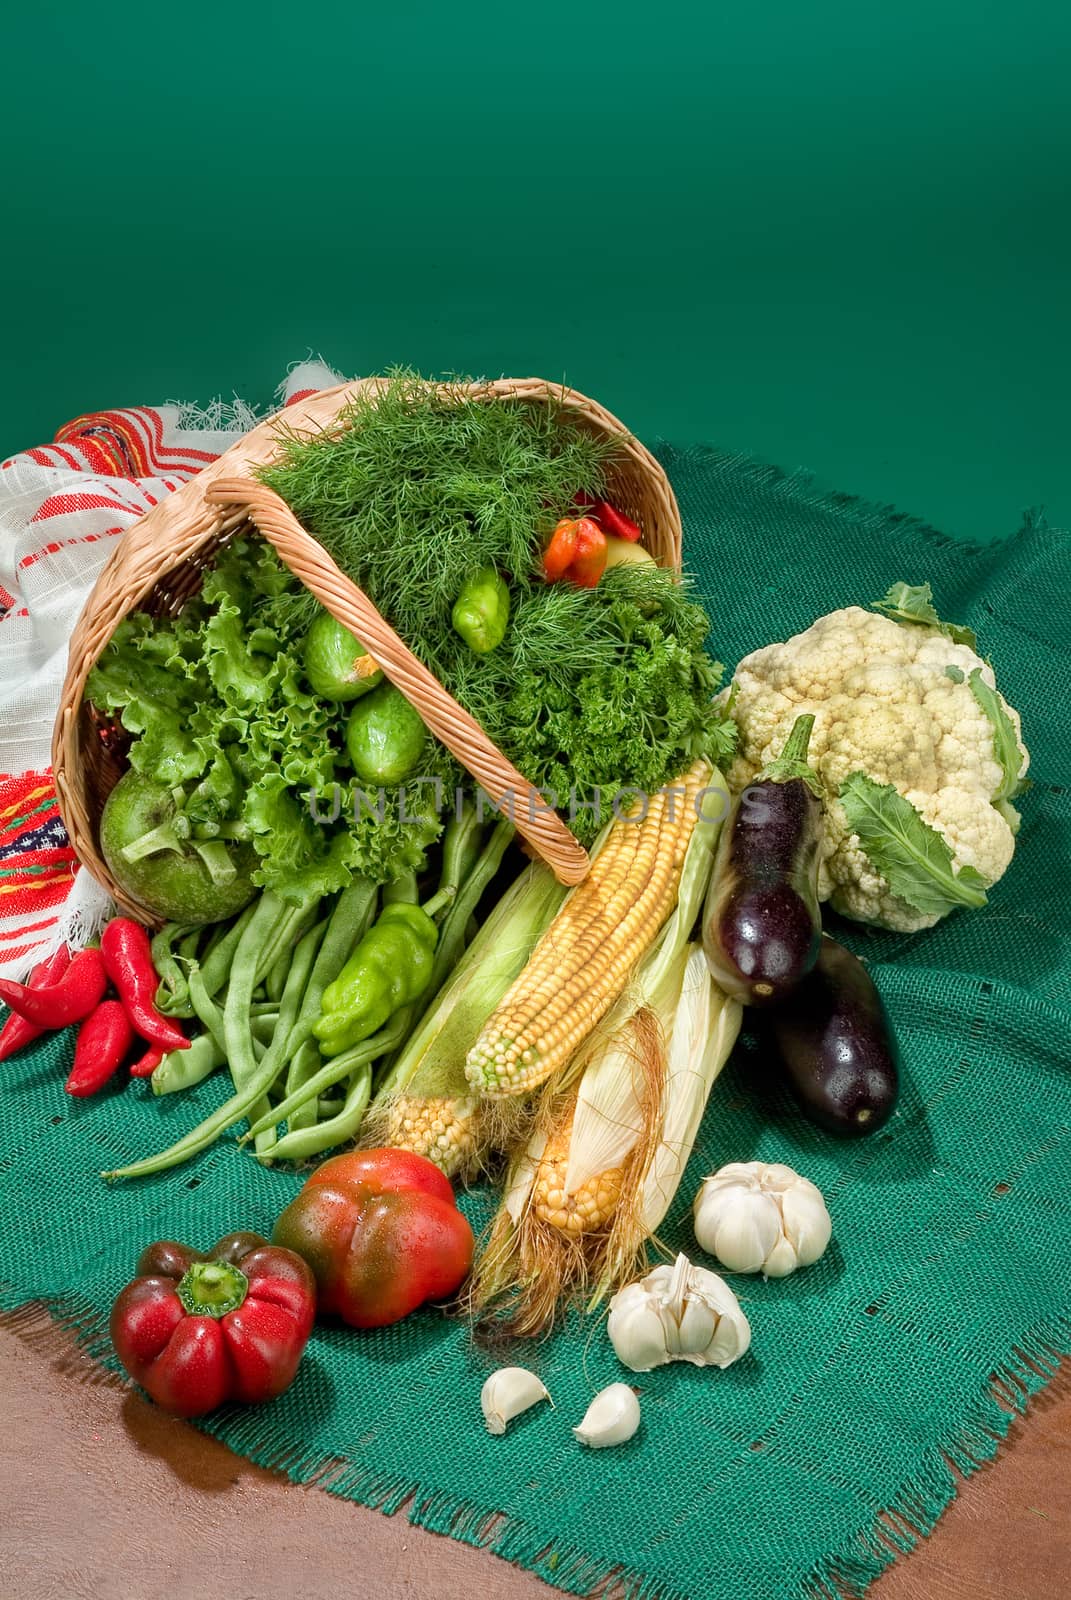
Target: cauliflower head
{"x": 918, "y": 754}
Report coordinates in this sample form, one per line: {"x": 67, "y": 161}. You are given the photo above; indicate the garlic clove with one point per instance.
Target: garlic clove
{"x": 781, "y": 1261}
{"x": 611, "y": 1418}
{"x": 806, "y": 1221}
{"x": 777, "y": 1176}
{"x": 735, "y": 1222}
{"x": 696, "y": 1327}
{"x": 507, "y": 1393}
{"x": 636, "y": 1330}
{"x": 732, "y": 1336}
{"x": 749, "y": 1228}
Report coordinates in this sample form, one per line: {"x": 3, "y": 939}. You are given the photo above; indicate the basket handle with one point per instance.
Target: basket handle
{"x": 450, "y": 723}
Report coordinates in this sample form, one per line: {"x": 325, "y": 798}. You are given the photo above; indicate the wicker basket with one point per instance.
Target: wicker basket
{"x": 158, "y": 563}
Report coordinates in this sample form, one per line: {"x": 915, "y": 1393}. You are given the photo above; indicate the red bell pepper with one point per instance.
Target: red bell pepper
{"x": 78, "y": 992}
{"x": 127, "y": 954}
{"x": 17, "y": 1033}
{"x": 382, "y": 1233}
{"x": 195, "y": 1330}
{"x": 608, "y": 517}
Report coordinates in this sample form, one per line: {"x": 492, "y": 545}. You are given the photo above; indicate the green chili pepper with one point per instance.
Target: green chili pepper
{"x": 389, "y": 969}
{"x": 481, "y": 611}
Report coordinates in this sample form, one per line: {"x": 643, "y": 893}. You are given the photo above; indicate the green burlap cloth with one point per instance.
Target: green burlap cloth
{"x": 830, "y": 1447}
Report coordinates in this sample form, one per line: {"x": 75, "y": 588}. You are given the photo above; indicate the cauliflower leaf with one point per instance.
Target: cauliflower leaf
{"x": 913, "y": 858}
{"x": 1006, "y": 749}
{"x": 909, "y": 603}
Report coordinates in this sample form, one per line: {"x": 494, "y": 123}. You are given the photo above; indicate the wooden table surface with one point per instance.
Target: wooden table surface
{"x": 106, "y": 1498}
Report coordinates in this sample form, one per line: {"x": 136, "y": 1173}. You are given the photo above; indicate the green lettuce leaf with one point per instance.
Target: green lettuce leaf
{"x": 907, "y": 603}
{"x": 913, "y": 858}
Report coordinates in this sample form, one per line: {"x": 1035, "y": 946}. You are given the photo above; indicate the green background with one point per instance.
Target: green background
{"x": 832, "y": 235}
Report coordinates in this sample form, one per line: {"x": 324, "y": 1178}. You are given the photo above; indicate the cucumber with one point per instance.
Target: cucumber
{"x": 337, "y": 664}
{"x": 385, "y": 736}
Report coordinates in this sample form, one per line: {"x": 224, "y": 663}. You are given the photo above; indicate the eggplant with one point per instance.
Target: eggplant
{"x": 831, "y": 1040}
{"x": 762, "y": 924}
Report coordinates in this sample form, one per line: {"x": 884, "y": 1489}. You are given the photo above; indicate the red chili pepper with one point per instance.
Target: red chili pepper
{"x": 148, "y": 1063}
{"x": 195, "y": 1330}
{"x": 589, "y": 561}
{"x": 78, "y": 992}
{"x": 124, "y": 944}
{"x": 103, "y": 1040}
{"x": 17, "y": 1032}
{"x": 609, "y": 518}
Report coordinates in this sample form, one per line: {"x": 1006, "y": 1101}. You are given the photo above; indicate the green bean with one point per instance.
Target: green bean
{"x": 172, "y": 997}
{"x": 264, "y": 1008}
{"x": 181, "y": 1069}
{"x": 206, "y": 1010}
{"x": 270, "y": 912}
{"x": 359, "y": 902}
{"x": 469, "y": 895}
{"x": 353, "y": 912}
{"x": 338, "y": 1129}
{"x": 215, "y": 969}
{"x": 217, "y": 932}
{"x": 461, "y": 846}
{"x": 338, "y": 1068}
{"x": 329, "y": 1105}
{"x": 236, "y": 1019}
{"x": 276, "y": 980}
{"x": 187, "y": 949}
{"x": 264, "y": 1027}
{"x": 303, "y": 1064}
{"x": 285, "y": 933}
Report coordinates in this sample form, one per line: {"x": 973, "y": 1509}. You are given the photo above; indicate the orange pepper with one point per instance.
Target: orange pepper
{"x": 577, "y": 552}
{"x": 589, "y": 562}
{"x": 558, "y": 555}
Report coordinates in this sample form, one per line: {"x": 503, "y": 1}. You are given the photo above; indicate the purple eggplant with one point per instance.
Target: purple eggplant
{"x": 762, "y": 925}
{"x": 832, "y": 1041}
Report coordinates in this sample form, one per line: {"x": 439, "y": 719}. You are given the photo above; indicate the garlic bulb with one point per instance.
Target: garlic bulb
{"x": 758, "y": 1218}
{"x": 678, "y": 1313}
{"x": 611, "y": 1418}
{"x": 507, "y": 1393}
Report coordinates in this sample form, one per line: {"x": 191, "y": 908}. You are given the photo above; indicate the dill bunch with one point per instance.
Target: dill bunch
{"x": 592, "y": 690}
{"x": 413, "y": 489}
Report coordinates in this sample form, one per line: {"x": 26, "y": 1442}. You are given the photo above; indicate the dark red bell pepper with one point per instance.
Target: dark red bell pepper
{"x": 127, "y": 954}
{"x": 195, "y": 1330}
{"x": 17, "y": 1033}
{"x": 382, "y": 1233}
{"x": 78, "y": 992}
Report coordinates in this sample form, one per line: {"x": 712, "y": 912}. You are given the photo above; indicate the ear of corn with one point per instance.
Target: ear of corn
{"x": 425, "y": 1104}
{"x": 706, "y": 1014}
{"x": 442, "y": 1128}
{"x": 584, "y": 960}
{"x": 614, "y": 1132}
